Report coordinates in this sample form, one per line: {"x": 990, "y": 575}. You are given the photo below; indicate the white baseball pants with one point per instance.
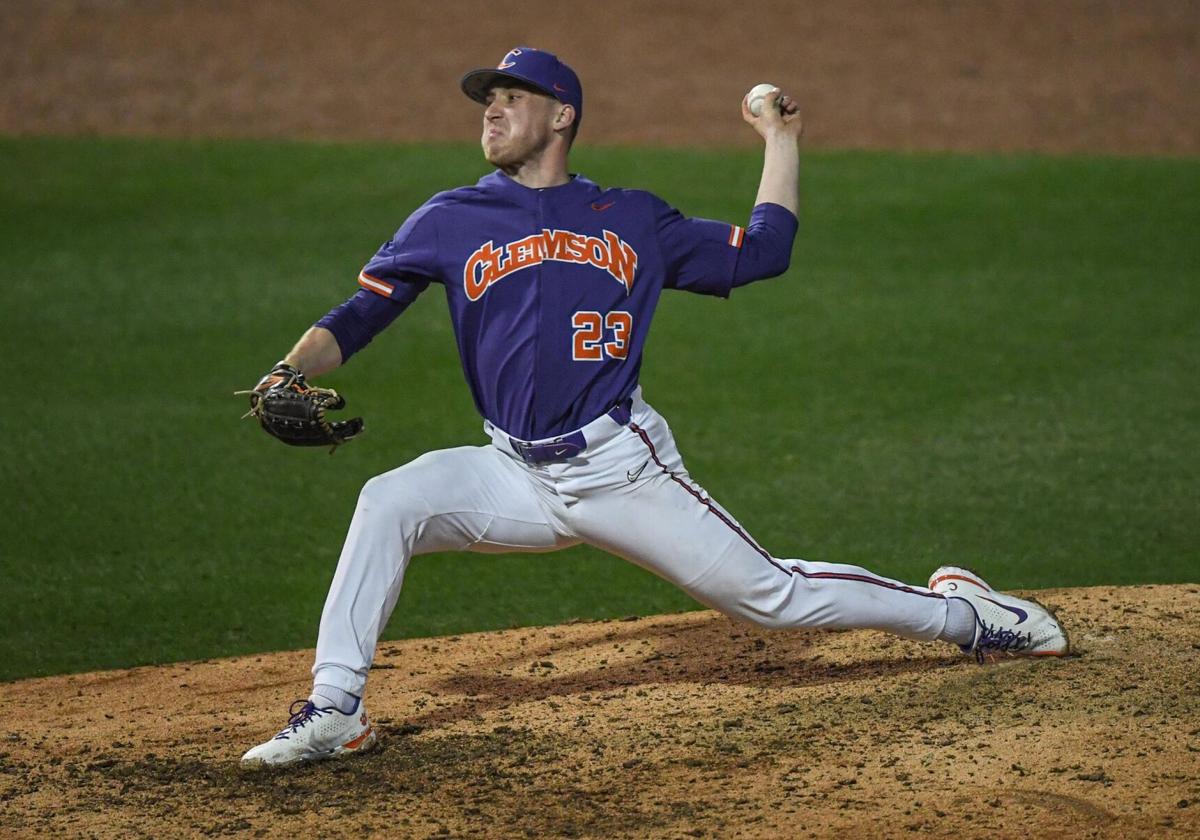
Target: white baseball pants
{"x": 627, "y": 493}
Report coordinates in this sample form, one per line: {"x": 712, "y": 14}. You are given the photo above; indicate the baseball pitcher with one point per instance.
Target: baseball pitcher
{"x": 552, "y": 283}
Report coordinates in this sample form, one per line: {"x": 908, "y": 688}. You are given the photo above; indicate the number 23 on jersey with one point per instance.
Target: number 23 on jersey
{"x": 591, "y": 331}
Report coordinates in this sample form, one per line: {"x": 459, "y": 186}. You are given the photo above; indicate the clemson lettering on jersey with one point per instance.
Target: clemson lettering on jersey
{"x": 490, "y": 264}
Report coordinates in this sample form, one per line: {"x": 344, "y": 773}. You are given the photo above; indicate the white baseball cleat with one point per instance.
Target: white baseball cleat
{"x": 314, "y": 734}
{"x": 1003, "y": 624}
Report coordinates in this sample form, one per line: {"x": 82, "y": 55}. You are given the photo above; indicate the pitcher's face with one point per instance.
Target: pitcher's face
{"x": 518, "y": 124}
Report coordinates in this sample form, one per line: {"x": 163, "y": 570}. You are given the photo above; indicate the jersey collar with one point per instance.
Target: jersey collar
{"x": 578, "y": 189}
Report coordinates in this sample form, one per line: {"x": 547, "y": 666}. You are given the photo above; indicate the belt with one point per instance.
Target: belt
{"x": 569, "y": 445}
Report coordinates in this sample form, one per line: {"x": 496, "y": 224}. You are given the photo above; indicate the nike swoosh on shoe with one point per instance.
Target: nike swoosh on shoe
{"x": 1017, "y": 611}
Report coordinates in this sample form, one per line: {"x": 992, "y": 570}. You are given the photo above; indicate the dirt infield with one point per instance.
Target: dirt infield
{"x": 1068, "y": 75}
{"x": 674, "y": 726}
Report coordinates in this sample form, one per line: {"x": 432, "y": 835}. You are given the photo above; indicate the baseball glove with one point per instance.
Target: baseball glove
{"x": 293, "y": 411}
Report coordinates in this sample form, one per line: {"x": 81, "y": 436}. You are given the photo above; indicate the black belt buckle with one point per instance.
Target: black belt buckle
{"x": 567, "y": 446}
{"x": 559, "y": 449}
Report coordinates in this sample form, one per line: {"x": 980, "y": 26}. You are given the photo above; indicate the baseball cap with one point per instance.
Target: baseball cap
{"x": 534, "y": 67}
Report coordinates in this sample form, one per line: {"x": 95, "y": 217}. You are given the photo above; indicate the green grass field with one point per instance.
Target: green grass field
{"x": 984, "y": 359}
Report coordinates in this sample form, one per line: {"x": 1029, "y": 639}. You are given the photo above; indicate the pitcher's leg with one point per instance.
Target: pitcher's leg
{"x": 465, "y": 499}
{"x": 669, "y": 525}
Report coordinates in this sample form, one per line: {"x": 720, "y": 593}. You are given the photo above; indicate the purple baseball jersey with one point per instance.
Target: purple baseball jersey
{"x": 552, "y": 291}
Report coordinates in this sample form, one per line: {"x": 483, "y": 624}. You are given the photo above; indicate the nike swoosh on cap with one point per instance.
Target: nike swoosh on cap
{"x": 1017, "y": 611}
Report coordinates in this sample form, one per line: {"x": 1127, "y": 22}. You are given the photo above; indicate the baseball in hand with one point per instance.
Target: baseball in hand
{"x": 756, "y": 96}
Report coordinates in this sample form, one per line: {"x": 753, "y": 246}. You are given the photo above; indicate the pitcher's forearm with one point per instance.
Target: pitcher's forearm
{"x": 316, "y": 352}
{"x": 779, "y": 124}
{"x": 780, "y": 183}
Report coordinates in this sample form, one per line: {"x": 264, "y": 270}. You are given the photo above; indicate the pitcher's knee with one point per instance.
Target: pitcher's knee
{"x": 756, "y": 608}
{"x": 390, "y": 496}
{"x": 775, "y": 606}
{"x": 766, "y": 620}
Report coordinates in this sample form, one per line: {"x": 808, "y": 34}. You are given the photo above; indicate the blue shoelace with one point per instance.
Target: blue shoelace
{"x": 301, "y": 712}
{"x": 1000, "y": 640}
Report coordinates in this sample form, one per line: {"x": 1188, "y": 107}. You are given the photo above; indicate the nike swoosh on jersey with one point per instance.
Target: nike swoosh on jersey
{"x": 562, "y": 451}
{"x": 1017, "y": 611}
{"x": 600, "y": 208}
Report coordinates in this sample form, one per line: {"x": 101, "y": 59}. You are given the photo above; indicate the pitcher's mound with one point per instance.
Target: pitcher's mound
{"x": 674, "y": 726}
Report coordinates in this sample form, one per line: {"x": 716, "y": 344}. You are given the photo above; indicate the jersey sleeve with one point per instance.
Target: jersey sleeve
{"x": 700, "y": 255}
{"x": 767, "y": 246}
{"x": 404, "y": 266}
{"x": 358, "y": 320}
